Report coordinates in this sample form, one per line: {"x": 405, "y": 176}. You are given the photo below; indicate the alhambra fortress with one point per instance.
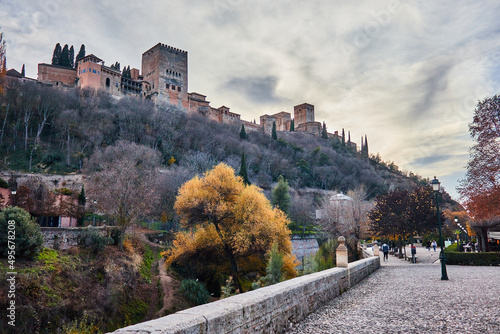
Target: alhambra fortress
{"x": 164, "y": 78}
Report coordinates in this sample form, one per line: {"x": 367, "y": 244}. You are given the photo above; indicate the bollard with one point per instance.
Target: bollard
{"x": 342, "y": 253}
{"x": 375, "y": 249}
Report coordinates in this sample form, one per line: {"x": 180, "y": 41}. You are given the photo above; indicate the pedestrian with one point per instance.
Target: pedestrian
{"x": 428, "y": 245}
{"x": 385, "y": 249}
{"x": 434, "y": 244}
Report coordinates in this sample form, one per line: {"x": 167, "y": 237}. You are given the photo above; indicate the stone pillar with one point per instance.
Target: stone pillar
{"x": 342, "y": 253}
{"x": 375, "y": 249}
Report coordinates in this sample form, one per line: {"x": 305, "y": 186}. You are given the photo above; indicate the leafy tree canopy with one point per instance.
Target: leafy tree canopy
{"x": 228, "y": 225}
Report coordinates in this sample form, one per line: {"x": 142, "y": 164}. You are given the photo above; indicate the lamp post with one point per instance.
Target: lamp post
{"x": 13, "y": 192}
{"x": 94, "y": 202}
{"x": 458, "y": 235}
{"x": 436, "y": 187}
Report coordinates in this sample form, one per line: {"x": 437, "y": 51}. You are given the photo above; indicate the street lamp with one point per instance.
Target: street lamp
{"x": 436, "y": 187}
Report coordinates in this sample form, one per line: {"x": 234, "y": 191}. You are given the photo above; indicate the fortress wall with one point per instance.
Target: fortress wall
{"x": 270, "y": 309}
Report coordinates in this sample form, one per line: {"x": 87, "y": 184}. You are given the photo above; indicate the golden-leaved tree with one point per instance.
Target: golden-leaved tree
{"x": 229, "y": 228}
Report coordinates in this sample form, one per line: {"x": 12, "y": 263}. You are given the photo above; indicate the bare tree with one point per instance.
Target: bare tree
{"x": 122, "y": 181}
{"x": 345, "y": 214}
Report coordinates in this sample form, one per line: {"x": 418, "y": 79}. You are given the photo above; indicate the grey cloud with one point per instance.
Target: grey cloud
{"x": 261, "y": 90}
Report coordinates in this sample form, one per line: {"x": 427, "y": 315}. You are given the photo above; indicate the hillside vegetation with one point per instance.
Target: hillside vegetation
{"x": 45, "y": 130}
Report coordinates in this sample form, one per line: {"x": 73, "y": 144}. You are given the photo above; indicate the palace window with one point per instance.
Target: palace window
{"x": 179, "y": 88}
{"x": 168, "y": 86}
{"x": 173, "y": 87}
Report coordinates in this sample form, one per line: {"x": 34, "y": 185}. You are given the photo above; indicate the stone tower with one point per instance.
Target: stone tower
{"x": 303, "y": 113}
{"x": 165, "y": 68}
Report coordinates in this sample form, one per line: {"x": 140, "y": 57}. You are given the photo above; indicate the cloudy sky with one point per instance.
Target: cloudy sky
{"x": 406, "y": 74}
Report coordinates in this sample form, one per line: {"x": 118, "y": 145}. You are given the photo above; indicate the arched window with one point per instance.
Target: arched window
{"x": 108, "y": 82}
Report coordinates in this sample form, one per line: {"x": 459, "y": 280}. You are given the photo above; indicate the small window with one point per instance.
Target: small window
{"x": 168, "y": 86}
{"x": 173, "y": 87}
{"x": 108, "y": 82}
{"x": 179, "y": 88}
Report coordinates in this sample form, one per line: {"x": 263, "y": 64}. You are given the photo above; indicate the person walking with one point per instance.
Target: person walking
{"x": 428, "y": 245}
{"x": 385, "y": 249}
{"x": 434, "y": 244}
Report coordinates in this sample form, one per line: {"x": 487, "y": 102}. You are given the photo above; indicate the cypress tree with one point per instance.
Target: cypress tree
{"x": 71, "y": 57}
{"x": 80, "y": 54}
{"x": 243, "y": 170}
{"x": 56, "y": 55}
{"x": 243, "y": 134}
{"x": 23, "y": 72}
{"x": 280, "y": 196}
{"x": 81, "y": 198}
{"x": 365, "y": 147}
{"x": 324, "y": 134}
{"x": 349, "y": 137}
{"x": 343, "y": 137}
{"x": 292, "y": 126}
{"x": 64, "y": 60}
{"x": 274, "y": 135}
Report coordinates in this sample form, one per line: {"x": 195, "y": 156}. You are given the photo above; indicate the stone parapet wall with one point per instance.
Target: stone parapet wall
{"x": 270, "y": 309}
{"x": 64, "y": 238}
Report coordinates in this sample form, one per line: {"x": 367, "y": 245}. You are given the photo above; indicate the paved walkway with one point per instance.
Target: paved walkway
{"x": 402, "y": 297}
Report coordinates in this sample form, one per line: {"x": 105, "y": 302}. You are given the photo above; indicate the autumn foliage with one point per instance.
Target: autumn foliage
{"x": 480, "y": 190}
{"x": 229, "y": 228}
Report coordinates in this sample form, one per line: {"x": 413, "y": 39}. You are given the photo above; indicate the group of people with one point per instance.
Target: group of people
{"x": 432, "y": 244}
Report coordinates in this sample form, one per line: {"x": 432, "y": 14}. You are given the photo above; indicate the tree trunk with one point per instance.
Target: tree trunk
{"x": 4, "y": 122}
{"x": 234, "y": 267}
{"x": 68, "y": 158}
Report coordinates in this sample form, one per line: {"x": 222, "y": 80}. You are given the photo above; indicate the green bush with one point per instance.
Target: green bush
{"x": 472, "y": 259}
{"x": 4, "y": 184}
{"x": 25, "y": 233}
{"x": 194, "y": 291}
{"x": 91, "y": 238}
{"x": 115, "y": 234}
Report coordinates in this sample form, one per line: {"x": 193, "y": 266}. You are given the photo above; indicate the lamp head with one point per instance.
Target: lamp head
{"x": 435, "y": 184}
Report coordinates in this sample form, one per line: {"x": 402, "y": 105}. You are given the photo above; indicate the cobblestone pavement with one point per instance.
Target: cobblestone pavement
{"x": 402, "y": 297}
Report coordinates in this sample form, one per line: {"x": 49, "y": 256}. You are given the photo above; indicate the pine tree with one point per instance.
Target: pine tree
{"x": 273, "y": 132}
{"x": 80, "y": 54}
{"x": 243, "y": 170}
{"x": 243, "y": 134}
{"x": 128, "y": 72}
{"x": 280, "y": 196}
{"x": 71, "y": 57}
{"x": 324, "y": 134}
{"x": 56, "y": 55}
{"x": 23, "y": 73}
{"x": 343, "y": 137}
{"x": 64, "y": 60}
{"x": 292, "y": 125}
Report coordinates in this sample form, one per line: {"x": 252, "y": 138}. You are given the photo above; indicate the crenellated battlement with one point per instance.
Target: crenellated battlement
{"x": 166, "y": 47}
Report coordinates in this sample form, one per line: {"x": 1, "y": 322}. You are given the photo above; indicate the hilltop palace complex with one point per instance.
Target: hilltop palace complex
{"x": 164, "y": 77}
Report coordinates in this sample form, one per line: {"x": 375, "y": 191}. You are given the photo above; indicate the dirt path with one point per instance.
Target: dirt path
{"x": 166, "y": 281}
{"x": 168, "y": 292}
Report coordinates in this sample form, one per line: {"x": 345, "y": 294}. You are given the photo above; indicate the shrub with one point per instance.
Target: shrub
{"x": 194, "y": 291}
{"x": 64, "y": 191}
{"x": 472, "y": 259}
{"x": 91, "y": 238}
{"x": 115, "y": 235}
{"x": 25, "y": 233}
{"x": 4, "y": 184}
